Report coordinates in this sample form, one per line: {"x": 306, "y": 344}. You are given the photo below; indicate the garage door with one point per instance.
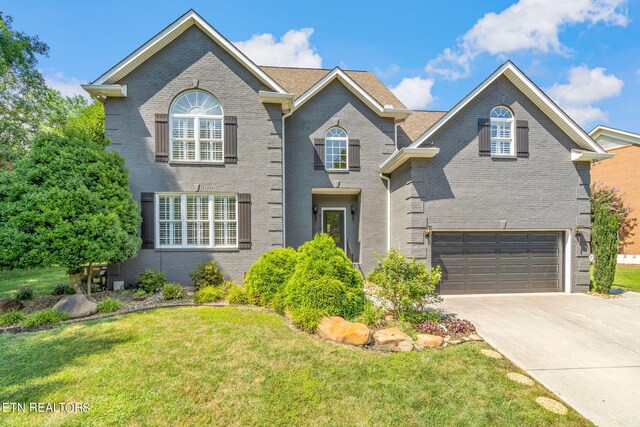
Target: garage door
{"x": 478, "y": 262}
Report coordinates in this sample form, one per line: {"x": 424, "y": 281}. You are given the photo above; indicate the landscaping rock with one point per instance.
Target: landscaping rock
{"x": 337, "y": 329}
{"x": 7, "y": 304}
{"x": 405, "y": 346}
{"x": 429, "y": 340}
{"x": 390, "y": 336}
{"x": 475, "y": 337}
{"x": 78, "y": 305}
{"x": 491, "y": 353}
{"x": 519, "y": 378}
{"x": 418, "y": 347}
{"x": 551, "y": 405}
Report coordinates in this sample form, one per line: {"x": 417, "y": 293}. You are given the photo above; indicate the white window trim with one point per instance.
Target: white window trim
{"x": 511, "y": 140}
{"x": 344, "y": 220}
{"x": 336, "y": 138}
{"x": 183, "y": 220}
{"x": 196, "y": 130}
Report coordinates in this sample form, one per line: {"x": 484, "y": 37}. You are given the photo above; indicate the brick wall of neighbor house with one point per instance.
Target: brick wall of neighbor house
{"x": 623, "y": 172}
{"x": 459, "y": 190}
{"x": 336, "y": 105}
{"x": 193, "y": 59}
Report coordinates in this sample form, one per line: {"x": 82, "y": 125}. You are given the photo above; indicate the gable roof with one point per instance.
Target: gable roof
{"x": 535, "y": 94}
{"x": 297, "y": 81}
{"x": 170, "y": 33}
{"x": 611, "y": 138}
{"x": 419, "y": 122}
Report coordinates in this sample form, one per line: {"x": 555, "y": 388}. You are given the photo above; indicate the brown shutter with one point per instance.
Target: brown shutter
{"x": 318, "y": 154}
{"x": 522, "y": 138}
{"x": 484, "y": 137}
{"x": 230, "y": 139}
{"x": 162, "y": 137}
{"x": 148, "y": 228}
{"x": 354, "y": 154}
{"x": 244, "y": 221}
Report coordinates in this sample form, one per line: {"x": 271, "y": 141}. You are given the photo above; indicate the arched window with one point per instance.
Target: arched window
{"x": 335, "y": 149}
{"x": 196, "y": 128}
{"x": 501, "y": 131}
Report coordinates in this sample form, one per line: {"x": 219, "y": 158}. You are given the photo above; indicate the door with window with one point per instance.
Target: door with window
{"x": 333, "y": 223}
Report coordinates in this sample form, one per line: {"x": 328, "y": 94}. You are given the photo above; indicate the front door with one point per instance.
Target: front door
{"x": 333, "y": 225}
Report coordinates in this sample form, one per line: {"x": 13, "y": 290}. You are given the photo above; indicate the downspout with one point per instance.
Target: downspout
{"x": 284, "y": 207}
{"x": 395, "y": 134}
{"x": 386, "y": 178}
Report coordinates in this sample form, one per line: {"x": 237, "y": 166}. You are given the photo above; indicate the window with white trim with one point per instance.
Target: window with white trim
{"x": 501, "y": 131}
{"x": 336, "y": 150}
{"x": 196, "y": 122}
{"x": 197, "y": 220}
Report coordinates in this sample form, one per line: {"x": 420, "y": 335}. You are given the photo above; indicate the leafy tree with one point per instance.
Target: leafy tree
{"x": 67, "y": 203}
{"x": 23, "y": 93}
{"x": 604, "y": 244}
{"x": 611, "y": 198}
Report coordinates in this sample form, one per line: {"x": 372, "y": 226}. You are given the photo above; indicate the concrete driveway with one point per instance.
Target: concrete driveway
{"x": 584, "y": 349}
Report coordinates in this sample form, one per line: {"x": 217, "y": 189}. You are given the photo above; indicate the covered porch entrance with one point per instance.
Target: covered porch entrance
{"x": 336, "y": 212}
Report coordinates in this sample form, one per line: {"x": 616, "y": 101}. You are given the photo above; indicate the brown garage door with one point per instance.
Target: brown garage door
{"x": 479, "y": 262}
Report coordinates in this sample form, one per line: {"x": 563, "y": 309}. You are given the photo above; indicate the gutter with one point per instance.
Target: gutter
{"x": 587, "y": 156}
{"x": 404, "y": 154}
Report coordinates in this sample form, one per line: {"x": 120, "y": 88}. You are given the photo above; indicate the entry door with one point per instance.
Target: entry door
{"x": 333, "y": 225}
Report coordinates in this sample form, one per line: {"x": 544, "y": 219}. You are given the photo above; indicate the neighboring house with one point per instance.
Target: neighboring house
{"x": 621, "y": 172}
{"x": 230, "y": 160}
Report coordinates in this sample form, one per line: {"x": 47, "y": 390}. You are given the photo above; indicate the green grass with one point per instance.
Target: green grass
{"x": 627, "y": 278}
{"x": 242, "y": 366}
{"x": 42, "y": 280}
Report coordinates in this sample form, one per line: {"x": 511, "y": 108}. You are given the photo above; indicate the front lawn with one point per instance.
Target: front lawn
{"x": 244, "y": 366}
{"x": 42, "y": 280}
{"x": 627, "y": 278}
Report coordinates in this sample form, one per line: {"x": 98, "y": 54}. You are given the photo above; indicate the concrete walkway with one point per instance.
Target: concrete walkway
{"x": 582, "y": 348}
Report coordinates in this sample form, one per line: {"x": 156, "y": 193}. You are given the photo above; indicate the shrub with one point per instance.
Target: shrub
{"x": 371, "y": 315}
{"x": 418, "y": 316}
{"x": 11, "y": 318}
{"x": 405, "y": 283}
{"x": 44, "y": 317}
{"x": 324, "y": 279}
{"x": 237, "y": 295}
{"x": 603, "y": 195}
{"x": 306, "y": 318}
{"x": 431, "y": 328}
{"x": 208, "y": 294}
{"x": 151, "y": 280}
{"x": 604, "y": 243}
{"x": 277, "y": 303}
{"x": 206, "y": 274}
{"x": 458, "y": 326}
{"x": 109, "y": 305}
{"x": 24, "y": 293}
{"x": 172, "y": 291}
{"x": 63, "y": 289}
{"x": 268, "y": 276}
{"x": 140, "y": 294}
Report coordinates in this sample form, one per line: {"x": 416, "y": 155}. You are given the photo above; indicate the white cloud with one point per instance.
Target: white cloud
{"x": 638, "y": 71}
{"x": 292, "y": 50}
{"x": 385, "y": 73}
{"x": 66, "y": 85}
{"x": 414, "y": 92}
{"x": 526, "y": 25}
{"x": 586, "y": 86}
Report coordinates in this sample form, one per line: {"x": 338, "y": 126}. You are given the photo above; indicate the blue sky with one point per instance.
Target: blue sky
{"x": 584, "y": 53}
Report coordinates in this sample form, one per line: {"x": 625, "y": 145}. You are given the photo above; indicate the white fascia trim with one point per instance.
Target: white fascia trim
{"x": 587, "y": 156}
{"x": 102, "y": 91}
{"x": 284, "y": 99}
{"x": 404, "y": 154}
{"x": 191, "y": 18}
{"x": 510, "y": 70}
{"x": 616, "y": 134}
{"x": 337, "y": 73}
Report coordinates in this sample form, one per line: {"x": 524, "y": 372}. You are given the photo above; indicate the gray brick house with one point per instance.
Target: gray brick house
{"x": 229, "y": 160}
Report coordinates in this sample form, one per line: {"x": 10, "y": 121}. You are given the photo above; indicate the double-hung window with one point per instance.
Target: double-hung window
{"x": 335, "y": 149}
{"x": 196, "y": 128}
{"x": 501, "y": 132}
{"x": 197, "y": 220}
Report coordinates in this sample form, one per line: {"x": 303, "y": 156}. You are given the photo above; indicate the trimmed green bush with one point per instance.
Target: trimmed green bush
{"x": 268, "y": 276}
{"x": 151, "y": 280}
{"x": 237, "y": 295}
{"x": 306, "y": 318}
{"x": 324, "y": 279}
{"x": 206, "y": 274}
{"x": 109, "y": 305}
{"x": 208, "y": 294}
{"x": 277, "y": 303}
{"x": 63, "y": 289}
{"x": 24, "y": 293}
{"x": 370, "y": 316}
{"x": 172, "y": 291}
{"x": 140, "y": 293}
{"x": 44, "y": 317}
{"x": 11, "y": 317}
{"x": 604, "y": 243}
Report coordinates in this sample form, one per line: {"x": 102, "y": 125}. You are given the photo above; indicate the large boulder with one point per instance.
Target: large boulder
{"x": 7, "y": 304}
{"x": 429, "y": 340}
{"x": 78, "y": 305}
{"x": 390, "y": 336}
{"x": 337, "y": 329}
